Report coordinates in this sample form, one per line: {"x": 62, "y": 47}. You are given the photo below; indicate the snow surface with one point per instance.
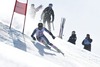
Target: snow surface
{"x": 17, "y": 50}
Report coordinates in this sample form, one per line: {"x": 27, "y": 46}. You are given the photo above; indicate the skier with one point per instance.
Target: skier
{"x": 46, "y": 16}
{"x": 87, "y": 42}
{"x": 42, "y": 38}
{"x": 72, "y": 38}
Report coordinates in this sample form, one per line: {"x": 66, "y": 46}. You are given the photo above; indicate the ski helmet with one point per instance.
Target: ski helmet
{"x": 50, "y": 5}
{"x": 40, "y": 25}
{"x": 73, "y": 32}
{"x": 88, "y": 35}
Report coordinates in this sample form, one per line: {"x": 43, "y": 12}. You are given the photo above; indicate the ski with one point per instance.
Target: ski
{"x": 48, "y": 47}
{"x": 59, "y": 51}
{"x": 62, "y": 53}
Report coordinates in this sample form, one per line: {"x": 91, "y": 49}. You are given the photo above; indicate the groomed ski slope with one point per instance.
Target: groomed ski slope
{"x": 19, "y": 51}
{"x": 13, "y": 57}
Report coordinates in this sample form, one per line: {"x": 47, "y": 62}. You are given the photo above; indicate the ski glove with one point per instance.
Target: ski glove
{"x": 34, "y": 38}
{"x": 53, "y": 37}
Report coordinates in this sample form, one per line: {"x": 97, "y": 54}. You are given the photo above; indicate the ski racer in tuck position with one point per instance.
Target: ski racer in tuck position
{"x": 42, "y": 38}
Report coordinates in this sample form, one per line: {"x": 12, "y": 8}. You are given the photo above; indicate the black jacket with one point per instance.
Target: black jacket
{"x": 47, "y": 13}
{"x": 72, "y": 38}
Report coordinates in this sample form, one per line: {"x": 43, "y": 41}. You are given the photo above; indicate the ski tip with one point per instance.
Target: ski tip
{"x": 63, "y": 54}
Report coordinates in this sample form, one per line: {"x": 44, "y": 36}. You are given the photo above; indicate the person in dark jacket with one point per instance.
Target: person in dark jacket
{"x": 87, "y": 42}
{"x": 48, "y": 16}
{"x": 41, "y": 37}
{"x": 72, "y": 38}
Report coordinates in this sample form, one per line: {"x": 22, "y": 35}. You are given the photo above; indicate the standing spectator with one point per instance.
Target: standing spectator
{"x": 72, "y": 38}
{"x": 87, "y": 42}
{"x": 46, "y": 16}
{"x": 33, "y": 10}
